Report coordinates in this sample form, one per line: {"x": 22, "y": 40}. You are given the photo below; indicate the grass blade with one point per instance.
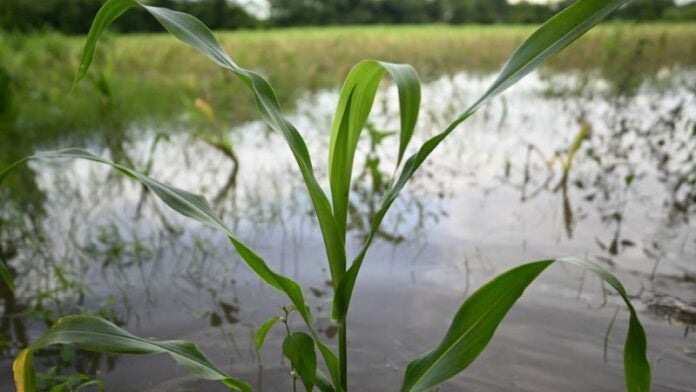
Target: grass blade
{"x": 477, "y": 319}
{"x": 96, "y": 334}
{"x": 354, "y": 106}
{"x": 260, "y": 336}
{"x": 196, "y": 207}
{"x": 109, "y": 12}
{"x": 553, "y": 36}
{"x": 194, "y": 33}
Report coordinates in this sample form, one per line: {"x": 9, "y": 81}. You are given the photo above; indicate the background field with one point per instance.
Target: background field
{"x": 154, "y": 78}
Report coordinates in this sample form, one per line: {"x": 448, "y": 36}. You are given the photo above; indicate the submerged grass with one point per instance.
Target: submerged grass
{"x": 157, "y": 77}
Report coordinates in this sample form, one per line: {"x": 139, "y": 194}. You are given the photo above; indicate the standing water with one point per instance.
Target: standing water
{"x": 563, "y": 165}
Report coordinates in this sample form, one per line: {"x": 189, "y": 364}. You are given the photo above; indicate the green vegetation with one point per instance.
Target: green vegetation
{"x": 74, "y": 16}
{"x": 169, "y": 79}
{"x": 473, "y": 325}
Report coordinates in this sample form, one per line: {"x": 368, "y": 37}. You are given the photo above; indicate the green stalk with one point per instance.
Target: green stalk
{"x": 343, "y": 353}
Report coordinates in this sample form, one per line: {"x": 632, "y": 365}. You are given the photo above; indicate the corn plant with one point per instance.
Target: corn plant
{"x": 474, "y": 323}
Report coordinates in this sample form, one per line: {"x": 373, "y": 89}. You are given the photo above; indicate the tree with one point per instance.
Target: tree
{"x": 644, "y": 9}
{"x": 476, "y": 11}
{"x": 525, "y": 12}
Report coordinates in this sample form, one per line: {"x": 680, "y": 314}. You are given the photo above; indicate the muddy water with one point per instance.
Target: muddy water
{"x": 492, "y": 196}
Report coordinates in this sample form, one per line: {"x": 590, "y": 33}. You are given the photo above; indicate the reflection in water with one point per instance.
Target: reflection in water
{"x": 213, "y": 133}
{"x": 563, "y": 165}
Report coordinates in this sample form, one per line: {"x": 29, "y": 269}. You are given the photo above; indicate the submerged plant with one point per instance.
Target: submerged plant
{"x": 476, "y": 320}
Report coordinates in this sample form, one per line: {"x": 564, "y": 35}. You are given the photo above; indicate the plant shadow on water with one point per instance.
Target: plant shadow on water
{"x": 619, "y": 187}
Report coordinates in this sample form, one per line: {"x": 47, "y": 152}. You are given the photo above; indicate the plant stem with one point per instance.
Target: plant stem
{"x": 343, "y": 353}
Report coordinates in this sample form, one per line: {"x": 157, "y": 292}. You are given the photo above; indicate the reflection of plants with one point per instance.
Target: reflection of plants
{"x": 645, "y": 131}
{"x": 473, "y": 325}
{"x": 370, "y": 196}
{"x": 215, "y": 135}
{"x": 54, "y": 381}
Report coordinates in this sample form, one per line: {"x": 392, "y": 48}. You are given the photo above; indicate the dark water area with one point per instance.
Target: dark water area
{"x": 81, "y": 238}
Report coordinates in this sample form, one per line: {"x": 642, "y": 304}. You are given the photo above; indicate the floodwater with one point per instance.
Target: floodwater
{"x": 491, "y": 197}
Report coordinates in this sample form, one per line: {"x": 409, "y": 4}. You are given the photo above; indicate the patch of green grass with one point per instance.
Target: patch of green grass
{"x": 154, "y": 80}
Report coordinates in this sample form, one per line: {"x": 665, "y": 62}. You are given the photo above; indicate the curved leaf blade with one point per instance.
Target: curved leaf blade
{"x": 194, "y": 33}
{"x": 298, "y": 347}
{"x": 109, "y": 12}
{"x": 478, "y": 318}
{"x": 354, "y": 106}
{"x": 97, "y": 334}
{"x": 261, "y": 333}
{"x": 554, "y": 35}
{"x": 197, "y": 207}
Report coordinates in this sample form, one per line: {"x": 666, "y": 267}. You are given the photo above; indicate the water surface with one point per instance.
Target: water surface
{"x": 491, "y": 197}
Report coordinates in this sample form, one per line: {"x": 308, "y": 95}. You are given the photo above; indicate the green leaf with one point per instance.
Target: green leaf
{"x": 6, "y": 276}
{"x": 477, "y": 319}
{"x": 260, "y": 336}
{"x": 109, "y": 12}
{"x": 354, "y": 106}
{"x": 298, "y": 347}
{"x": 194, "y": 33}
{"x": 196, "y": 207}
{"x": 554, "y": 35}
{"x": 99, "y": 335}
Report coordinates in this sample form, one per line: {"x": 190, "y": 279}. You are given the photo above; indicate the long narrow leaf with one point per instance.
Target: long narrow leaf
{"x": 194, "y": 33}
{"x": 196, "y": 207}
{"x": 111, "y": 10}
{"x": 354, "y": 106}
{"x": 99, "y": 335}
{"x": 554, "y": 35}
{"x": 478, "y": 318}
{"x": 261, "y": 333}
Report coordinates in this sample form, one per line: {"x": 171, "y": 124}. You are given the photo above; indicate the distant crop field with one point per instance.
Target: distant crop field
{"x": 154, "y": 78}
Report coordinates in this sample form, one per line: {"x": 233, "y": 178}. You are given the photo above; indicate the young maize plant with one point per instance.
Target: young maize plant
{"x": 478, "y": 317}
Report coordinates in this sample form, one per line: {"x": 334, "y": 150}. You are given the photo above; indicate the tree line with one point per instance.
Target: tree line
{"x": 75, "y": 16}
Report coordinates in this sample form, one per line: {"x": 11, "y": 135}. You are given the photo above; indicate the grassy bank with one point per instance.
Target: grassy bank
{"x": 153, "y": 78}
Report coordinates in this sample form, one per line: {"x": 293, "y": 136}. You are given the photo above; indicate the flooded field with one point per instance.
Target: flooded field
{"x": 562, "y": 165}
